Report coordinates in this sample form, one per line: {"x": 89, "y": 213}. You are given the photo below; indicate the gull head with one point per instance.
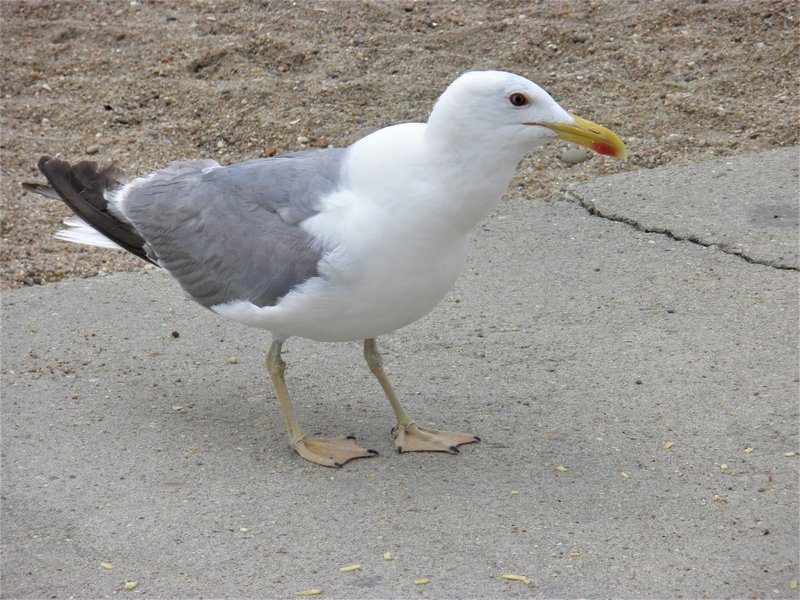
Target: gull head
{"x": 495, "y": 109}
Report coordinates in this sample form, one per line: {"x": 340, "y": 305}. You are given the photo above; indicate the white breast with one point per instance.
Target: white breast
{"x": 395, "y": 238}
{"x": 376, "y": 278}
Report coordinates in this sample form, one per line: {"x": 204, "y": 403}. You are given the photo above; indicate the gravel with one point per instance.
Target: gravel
{"x": 147, "y": 82}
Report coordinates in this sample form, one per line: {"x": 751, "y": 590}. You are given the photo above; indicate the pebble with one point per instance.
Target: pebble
{"x": 93, "y": 149}
{"x": 574, "y": 156}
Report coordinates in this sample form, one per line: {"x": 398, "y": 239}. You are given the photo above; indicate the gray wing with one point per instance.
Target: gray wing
{"x": 231, "y": 233}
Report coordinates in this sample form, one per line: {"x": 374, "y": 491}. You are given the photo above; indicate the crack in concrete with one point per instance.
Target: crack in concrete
{"x": 596, "y": 212}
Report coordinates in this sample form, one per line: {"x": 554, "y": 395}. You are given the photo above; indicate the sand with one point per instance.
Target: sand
{"x": 144, "y": 83}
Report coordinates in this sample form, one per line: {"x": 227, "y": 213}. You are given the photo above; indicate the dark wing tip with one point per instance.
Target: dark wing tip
{"x": 83, "y": 188}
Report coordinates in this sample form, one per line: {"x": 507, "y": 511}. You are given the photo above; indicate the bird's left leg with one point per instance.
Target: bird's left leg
{"x": 408, "y": 436}
{"x": 329, "y": 452}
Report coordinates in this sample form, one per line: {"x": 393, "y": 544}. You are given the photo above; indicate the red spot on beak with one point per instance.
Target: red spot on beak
{"x": 604, "y": 148}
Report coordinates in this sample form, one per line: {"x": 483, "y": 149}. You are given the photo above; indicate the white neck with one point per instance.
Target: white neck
{"x": 443, "y": 187}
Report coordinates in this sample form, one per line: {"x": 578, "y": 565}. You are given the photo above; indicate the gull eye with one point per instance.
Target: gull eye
{"x": 518, "y": 99}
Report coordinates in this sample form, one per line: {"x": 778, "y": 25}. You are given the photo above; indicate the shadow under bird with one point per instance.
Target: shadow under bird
{"x": 336, "y": 244}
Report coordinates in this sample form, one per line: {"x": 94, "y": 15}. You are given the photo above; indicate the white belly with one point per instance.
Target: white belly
{"x": 389, "y": 259}
{"x": 361, "y": 294}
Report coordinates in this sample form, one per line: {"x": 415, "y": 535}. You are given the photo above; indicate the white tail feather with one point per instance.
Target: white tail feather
{"x": 80, "y": 232}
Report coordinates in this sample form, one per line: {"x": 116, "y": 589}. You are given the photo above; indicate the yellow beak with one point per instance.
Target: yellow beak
{"x": 593, "y": 136}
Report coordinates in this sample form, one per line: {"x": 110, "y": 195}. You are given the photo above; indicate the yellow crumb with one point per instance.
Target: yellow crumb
{"x": 106, "y": 565}
{"x": 311, "y": 592}
{"x": 561, "y": 469}
{"x": 387, "y": 556}
{"x": 668, "y": 445}
{"x": 131, "y": 585}
{"x": 422, "y": 581}
{"x": 520, "y": 578}
{"x": 624, "y": 475}
{"x": 350, "y": 568}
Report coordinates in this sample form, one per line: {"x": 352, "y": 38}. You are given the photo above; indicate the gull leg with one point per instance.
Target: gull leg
{"x": 408, "y": 436}
{"x": 329, "y": 452}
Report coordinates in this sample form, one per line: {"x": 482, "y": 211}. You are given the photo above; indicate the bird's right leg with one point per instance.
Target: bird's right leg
{"x": 408, "y": 436}
{"x": 329, "y": 452}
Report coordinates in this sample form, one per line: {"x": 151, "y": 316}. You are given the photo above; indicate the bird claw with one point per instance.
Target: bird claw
{"x": 415, "y": 438}
{"x": 331, "y": 452}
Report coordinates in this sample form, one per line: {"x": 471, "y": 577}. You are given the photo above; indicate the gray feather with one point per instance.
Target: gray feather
{"x": 231, "y": 233}
{"x": 40, "y": 188}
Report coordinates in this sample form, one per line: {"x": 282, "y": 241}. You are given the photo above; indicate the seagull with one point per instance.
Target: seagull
{"x": 335, "y": 244}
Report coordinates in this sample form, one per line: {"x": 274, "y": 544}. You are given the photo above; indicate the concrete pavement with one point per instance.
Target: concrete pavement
{"x": 628, "y": 352}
